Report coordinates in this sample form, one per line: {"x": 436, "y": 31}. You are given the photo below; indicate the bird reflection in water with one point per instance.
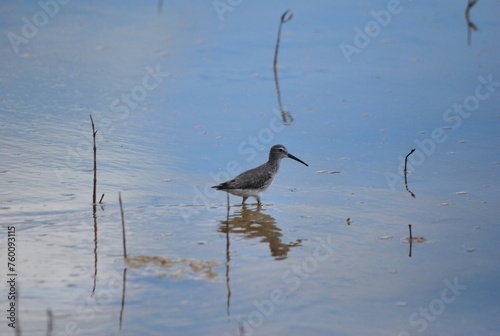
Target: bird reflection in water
{"x": 254, "y": 224}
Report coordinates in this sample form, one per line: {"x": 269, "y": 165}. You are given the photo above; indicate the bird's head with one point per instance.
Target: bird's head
{"x": 279, "y": 152}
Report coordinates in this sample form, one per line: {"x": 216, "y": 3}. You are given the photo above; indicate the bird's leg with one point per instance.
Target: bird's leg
{"x": 244, "y": 199}
{"x": 258, "y": 200}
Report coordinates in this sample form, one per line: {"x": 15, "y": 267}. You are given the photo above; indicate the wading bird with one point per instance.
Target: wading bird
{"x": 253, "y": 182}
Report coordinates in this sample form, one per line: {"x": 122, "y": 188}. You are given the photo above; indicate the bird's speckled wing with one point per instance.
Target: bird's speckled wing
{"x": 256, "y": 178}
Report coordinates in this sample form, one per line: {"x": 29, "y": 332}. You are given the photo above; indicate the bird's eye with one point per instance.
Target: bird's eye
{"x": 282, "y": 150}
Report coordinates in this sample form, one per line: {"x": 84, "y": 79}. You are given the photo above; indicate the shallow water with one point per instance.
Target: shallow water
{"x": 184, "y": 97}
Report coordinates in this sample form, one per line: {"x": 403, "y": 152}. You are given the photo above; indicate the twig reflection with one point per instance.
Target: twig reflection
{"x": 50, "y": 324}
{"x": 123, "y": 295}
{"x": 470, "y": 25}
{"x": 228, "y": 259}
{"x": 285, "y": 115}
{"x": 94, "y": 206}
{"x": 406, "y": 173}
{"x": 17, "y": 329}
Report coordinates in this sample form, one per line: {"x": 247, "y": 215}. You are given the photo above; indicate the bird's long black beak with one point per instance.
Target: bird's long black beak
{"x": 297, "y": 159}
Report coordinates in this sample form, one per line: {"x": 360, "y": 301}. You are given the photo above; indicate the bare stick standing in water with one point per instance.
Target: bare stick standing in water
{"x": 123, "y": 226}
{"x": 94, "y": 132}
{"x": 411, "y": 239}
{"x": 94, "y": 204}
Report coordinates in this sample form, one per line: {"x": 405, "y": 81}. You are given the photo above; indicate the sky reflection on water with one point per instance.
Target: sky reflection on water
{"x": 178, "y": 94}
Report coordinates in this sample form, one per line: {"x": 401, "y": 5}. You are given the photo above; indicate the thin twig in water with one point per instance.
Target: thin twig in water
{"x": 94, "y": 132}
{"x": 411, "y": 239}
{"x": 406, "y": 173}
{"x": 123, "y": 226}
{"x": 100, "y": 201}
{"x": 94, "y": 196}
